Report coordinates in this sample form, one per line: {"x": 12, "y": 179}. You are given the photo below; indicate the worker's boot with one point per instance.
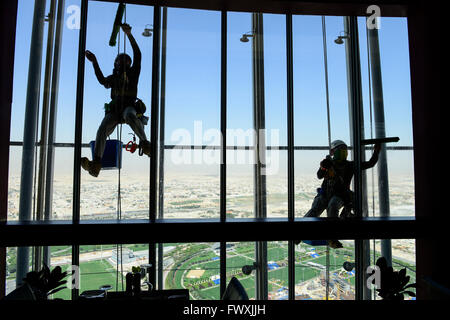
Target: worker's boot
{"x": 146, "y": 147}
{"x": 93, "y": 167}
{"x": 335, "y": 244}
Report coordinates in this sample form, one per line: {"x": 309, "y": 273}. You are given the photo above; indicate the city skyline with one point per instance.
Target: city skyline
{"x": 189, "y": 196}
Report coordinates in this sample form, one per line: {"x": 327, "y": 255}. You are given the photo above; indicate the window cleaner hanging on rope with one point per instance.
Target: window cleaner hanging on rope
{"x": 337, "y": 174}
{"x": 124, "y": 107}
{"x": 334, "y": 193}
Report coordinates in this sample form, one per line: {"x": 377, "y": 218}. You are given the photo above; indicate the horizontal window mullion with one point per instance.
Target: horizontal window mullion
{"x": 33, "y": 233}
{"x": 209, "y": 147}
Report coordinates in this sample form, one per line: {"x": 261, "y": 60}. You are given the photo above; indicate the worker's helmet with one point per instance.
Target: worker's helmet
{"x": 339, "y": 150}
{"x": 337, "y": 143}
{"x": 122, "y": 61}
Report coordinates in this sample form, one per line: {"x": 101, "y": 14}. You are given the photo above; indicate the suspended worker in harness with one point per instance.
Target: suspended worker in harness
{"x": 124, "y": 107}
{"x": 337, "y": 173}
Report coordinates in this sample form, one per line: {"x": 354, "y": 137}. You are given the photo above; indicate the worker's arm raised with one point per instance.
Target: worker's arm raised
{"x": 98, "y": 72}
{"x": 374, "y": 159}
{"x": 136, "y": 51}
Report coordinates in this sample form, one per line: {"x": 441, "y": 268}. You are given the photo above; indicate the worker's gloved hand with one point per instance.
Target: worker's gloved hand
{"x": 90, "y": 56}
{"x": 377, "y": 147}
{"x": 126, "y": 28}
{"x": 326, "y": 163}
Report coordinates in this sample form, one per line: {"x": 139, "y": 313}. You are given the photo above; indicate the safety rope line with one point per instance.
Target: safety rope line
{"x": 119, "y": 248}
{"x": 371, "y": 132}
{"x": 325, "y": 60}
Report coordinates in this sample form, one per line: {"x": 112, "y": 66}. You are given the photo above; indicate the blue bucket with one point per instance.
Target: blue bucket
{"x": 112, "y": 157}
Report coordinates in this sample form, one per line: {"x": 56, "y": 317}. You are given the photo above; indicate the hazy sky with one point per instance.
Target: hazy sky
{"x": 193, "y": 79}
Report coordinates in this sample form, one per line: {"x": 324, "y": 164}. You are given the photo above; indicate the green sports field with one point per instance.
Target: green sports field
{"x": 196, "y": 266}
{"x": 204, "y": 287}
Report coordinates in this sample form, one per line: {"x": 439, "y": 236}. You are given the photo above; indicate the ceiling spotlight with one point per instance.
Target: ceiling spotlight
{"x": 340, "y": 39}
{"x": 147, "y": 31}
{"x": 245, "y": 37}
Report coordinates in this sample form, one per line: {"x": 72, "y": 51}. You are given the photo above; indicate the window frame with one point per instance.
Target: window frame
{"x": 37, "y": 232}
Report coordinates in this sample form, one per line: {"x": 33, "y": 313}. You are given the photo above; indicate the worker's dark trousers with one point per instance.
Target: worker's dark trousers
{"x": 321, "y": 202}
{"x": 109, "y": 123}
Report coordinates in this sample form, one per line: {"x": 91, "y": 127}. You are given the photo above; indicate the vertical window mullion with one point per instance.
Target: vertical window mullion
{"x": 260, "y": 150}
{"x": 162, "y": 142}
{"x": 223, "y": 147}
{"x": 78, "y": 133}
{"x": 356, "y": 122}
{"x": 154, "y": 133}
{"x": 290, "y": 151}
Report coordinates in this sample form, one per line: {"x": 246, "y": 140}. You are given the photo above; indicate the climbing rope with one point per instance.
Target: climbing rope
{"x": 325, "y": 60}
{"x": 119, "y": 248}
{"x": 371, "y": 132}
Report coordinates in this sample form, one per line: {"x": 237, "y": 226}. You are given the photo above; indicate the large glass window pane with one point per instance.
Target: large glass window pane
{"x": 107, "y": 265}
{"x": 125, "y": 191}
{"x": 61, "y": 256}
{"x": 318, "y": 269}
{"x": 276, "y": 180}
{"x": 191, "y": 190}
{"x": 306, "y": 182}
{"x": 387, "y": 107}
{"x": 240, "y": 254}
{"x": 275, "y": 113}
{"x": 313, "y": 266}
{"x": 310, "y": 106}
{"x": 62, "y": 185}
{"x": 244, "y": 108}
{"x": 193, "y": 266}
{"x": 321, "y": 114}
{"x": 240, "y": 125}
{"x": 15, "y": 156}
{"x": 403, "y": 257}
{"x": 278, "y": 270}
{"x": 240, "y": 184}
{"x": 192, "y": 113}
{"x": 12, "y": 266}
